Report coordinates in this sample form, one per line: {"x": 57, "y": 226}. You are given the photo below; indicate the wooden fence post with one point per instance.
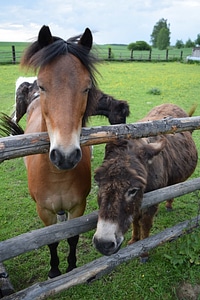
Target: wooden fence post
{"x": 167, "y": 54}
{"x": 109, "y": 53}
{"x": 131, "y": 54}
{"x": 13, "y": 55}
{"x": 181, "y": 55}
{"x": 150, "y": 51}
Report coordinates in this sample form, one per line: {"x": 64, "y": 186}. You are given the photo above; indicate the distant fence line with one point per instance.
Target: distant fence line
{"x": 10, "y": 57}
{"x": 145, "y": 55}
{"x": 13, "y": 56}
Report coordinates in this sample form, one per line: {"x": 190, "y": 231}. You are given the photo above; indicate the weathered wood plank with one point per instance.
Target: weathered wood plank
{"x": 170, "y": 192}
{"x": 104, "y": 265}
{"x": 17, "y": 146}
{"x": 40, "y": 237}
{"x": 47, "y": 235}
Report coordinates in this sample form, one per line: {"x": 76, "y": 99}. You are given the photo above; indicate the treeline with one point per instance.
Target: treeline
{"x": 160, "y": 39}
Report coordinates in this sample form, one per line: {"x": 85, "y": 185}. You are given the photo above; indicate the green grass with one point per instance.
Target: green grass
{"x": 177, "y": 83}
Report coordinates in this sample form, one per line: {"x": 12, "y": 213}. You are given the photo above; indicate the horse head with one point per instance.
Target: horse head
{"x": 65, "y": 80}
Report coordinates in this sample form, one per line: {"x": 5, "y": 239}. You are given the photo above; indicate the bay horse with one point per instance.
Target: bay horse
{"x": 132, "y": 168}
{"x": 27, "y": 90}
{"x": 61, "y": 179}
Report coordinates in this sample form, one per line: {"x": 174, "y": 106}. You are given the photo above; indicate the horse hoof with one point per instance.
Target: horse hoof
{"x": 54, "y": 274}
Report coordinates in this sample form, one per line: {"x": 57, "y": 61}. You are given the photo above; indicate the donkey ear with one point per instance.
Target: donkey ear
{"x": 154, "y": 149}
{"x": 45, "y": 37}
{"x": 86, "y": 39}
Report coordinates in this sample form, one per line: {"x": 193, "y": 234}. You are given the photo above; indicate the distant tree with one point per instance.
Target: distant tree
{"x": 179, "y": 44}
{"x": 132, "y": 46}
{"x": 163, "y": 39}
{"x": 189, "y": 44}
{"x": 197, "y": 41}
{"x": 139, "y": 45}
{"x": 162, "y": 23}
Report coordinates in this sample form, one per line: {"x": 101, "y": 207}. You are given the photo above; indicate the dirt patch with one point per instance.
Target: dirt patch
{"x": 187, "y": 291}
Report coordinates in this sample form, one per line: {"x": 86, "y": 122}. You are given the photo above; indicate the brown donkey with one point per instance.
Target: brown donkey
{"x": 133, "y": 167}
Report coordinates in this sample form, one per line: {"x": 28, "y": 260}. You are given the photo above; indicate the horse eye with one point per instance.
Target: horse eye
{"x": 41, "y": 88}
{"x": 132, "y": 192}
{"x": 86, "y": 91}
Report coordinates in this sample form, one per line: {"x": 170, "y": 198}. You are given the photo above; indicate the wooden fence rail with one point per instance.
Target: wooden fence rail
{"x": 111, "y": 54}
{"x": 104, "y": 265}
{"x": 54, "y": 233}
{"x": 22, "y": 145}
{"x": 17, "y": 146}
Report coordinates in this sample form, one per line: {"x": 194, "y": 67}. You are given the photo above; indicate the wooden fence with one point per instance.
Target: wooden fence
{"x": 143, "y": 55}
{"x": 28, "y": 144}
{"x": 13, "y": 56}
{"x": 10, "y": 57}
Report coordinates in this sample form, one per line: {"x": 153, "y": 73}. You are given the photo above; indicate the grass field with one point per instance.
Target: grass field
{"x": 170, "y": 265}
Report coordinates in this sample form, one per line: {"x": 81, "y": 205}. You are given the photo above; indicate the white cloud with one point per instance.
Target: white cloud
{"x": 115, "y": 22}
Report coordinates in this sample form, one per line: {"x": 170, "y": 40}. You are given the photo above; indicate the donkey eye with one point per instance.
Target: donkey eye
{"x": 132, "y": 192}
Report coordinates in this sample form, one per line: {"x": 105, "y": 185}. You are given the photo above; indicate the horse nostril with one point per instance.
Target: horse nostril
{"x": 55, "y": 156}
{"x": 76, "y": 156}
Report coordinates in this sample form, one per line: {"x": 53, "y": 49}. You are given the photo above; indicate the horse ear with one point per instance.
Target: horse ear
{"x": 45, "y": 37}
{"x": 86, "y": 39}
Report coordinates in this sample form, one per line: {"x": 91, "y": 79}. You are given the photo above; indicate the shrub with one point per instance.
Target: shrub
{"x": 139, "y": 45}
{"x": 186, "y": 250}
{"x": 154, "y": 91}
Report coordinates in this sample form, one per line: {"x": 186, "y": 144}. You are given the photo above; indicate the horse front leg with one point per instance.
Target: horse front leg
{"x": 50, "y": 218}
{"x": 54, "y": 261}
{"x": 73, "y": 241}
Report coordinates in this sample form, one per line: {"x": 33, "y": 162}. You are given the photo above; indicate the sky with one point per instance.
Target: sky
{"x": 111, "y": 21}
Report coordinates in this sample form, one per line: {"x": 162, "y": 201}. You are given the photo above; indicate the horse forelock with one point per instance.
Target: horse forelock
{"x": 36, "y": 57}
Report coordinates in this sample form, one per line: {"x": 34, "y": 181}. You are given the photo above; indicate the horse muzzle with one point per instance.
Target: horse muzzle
{"x": 63, "y": 160}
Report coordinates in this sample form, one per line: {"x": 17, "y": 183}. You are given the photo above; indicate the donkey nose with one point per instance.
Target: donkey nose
{"x": 65, "y": 161}
{"x": 105, "y": 247}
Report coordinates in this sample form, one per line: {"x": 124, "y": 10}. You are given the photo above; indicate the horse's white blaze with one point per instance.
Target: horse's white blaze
{"x": 66, "y": 145}
{"x": 108, "y": 231}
